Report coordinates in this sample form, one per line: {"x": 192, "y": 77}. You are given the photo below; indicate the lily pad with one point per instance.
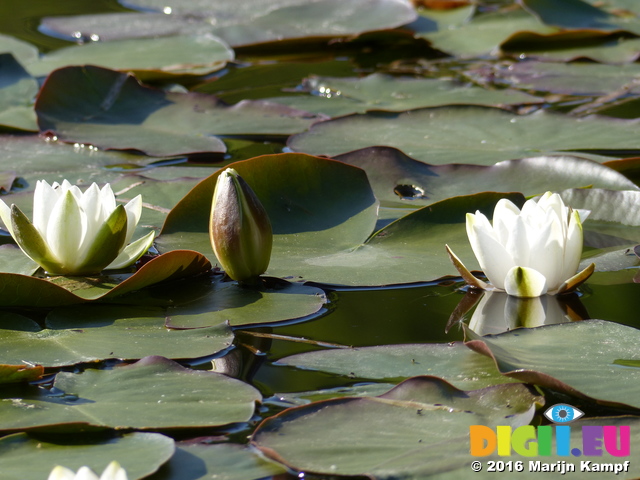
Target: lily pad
{"x": 229, "y": 302}
{"x": 22, "y": 290}
{"x": 140, "y": 454}
{"x": 539, "y": 356}
{"x": 17, "y": 93}
{"x": 23, "y": 52}
{"x": 467, "y": 134}
{"x": 568, "y": 13}
{"x": 452, "y": 362}
{"x": 148, "y": 58}
{"x": 112, "y": 110}
{"x": 91, "y": 333}
{"x": 159, "y": 394}
{"x": 579, "y": 78}
{"x": 343, "y": 96}
{"x": 398, "y": 180}
{"x": 240, "y": 22}
{"x": 197, "y": 461}
{"x": 418, "y": 428}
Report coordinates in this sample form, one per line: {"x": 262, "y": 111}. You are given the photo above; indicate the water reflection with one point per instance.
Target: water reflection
{"x": 497, "y": 312}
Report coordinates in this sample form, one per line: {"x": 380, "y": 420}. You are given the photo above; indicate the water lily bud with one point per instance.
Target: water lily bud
{"x": 528, "y": 252}
{"x": 76, "y": 233}
{"x": 239, "y": 228}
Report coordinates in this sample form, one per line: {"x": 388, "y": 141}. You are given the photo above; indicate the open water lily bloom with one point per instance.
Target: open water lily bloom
{"x": 528, "y": 252}
{"x": 76, "y": 233}
{"x": 113, "y": 472}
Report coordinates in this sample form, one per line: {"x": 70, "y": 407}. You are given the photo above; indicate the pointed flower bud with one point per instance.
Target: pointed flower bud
{"x": 113, "y": 472}
{"x": 239, "y": 228}
{"x": 528, "y": 252}
{"x": 76, "y": 233}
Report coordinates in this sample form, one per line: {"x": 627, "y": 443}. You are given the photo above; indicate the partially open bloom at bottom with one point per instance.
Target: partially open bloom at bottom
{"x": 113, "y": 472}
{"x": 528, "y": 252}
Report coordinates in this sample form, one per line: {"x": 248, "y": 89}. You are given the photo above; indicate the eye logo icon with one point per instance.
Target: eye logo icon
{"x": 563, "y": 413}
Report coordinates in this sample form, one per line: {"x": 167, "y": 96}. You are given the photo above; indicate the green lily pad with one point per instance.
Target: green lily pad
{"x": 567, "y": 46}
{"x": 580, "y": 78}
{"x": 398, "y": 180}
{"x": 152, "y": 393}
{"x": 568, "y": 13}
{"x": 418, "y": 428}
{"x": 343, "y": 96}
{"x": 91, "y": 333}
{"x": 22, "y": 290}
{"x": 23, "y": 52}
{"x": 539, "y": 356}
{"x": 488, "y": 31}
{"x": 452, "y": 362}
{"x": 148, "y": 58}
{"x": 467, "y": 134}
{"x": 268, "y": 80}
{"x": 323, "y": 214}
{"x": 17, "y": 92}
{"x": 34, "y": 158}
{"x": 140, "y": 454}
{"x": 229, "y": 302}
{"x": 239, "y": 22}
{"x": 72, "y": 105}
{"x": 221, "y": 461}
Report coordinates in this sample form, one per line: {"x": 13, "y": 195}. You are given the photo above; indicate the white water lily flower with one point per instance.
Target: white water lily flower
{"x": 113, "y": 472}
{"x": 76, "y": 233}
{"x": 527, "y": 252}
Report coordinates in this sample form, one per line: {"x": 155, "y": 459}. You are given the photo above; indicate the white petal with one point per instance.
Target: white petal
{"x": 494, "y": 259}
{"x": 504, "y": 214}
{"x": 518, "y": 242}
{"x": 114, "y": 472}
{"x": 108, "y": 199}
{"x": 525, "y": 282}
{"x": 66, "y": 230}
{"x": 573, "y": 247}
{"x": 134, "y": 211}
{"x": 85, "y": 473}
{"x": 547, "y": 253}
{"x": 61, "y": 473}
{"x": 5, "y": 215}
{"x": 44, "y": 199}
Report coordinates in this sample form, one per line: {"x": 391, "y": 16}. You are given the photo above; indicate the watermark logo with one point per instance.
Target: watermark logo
{"x": 563, "y": 413}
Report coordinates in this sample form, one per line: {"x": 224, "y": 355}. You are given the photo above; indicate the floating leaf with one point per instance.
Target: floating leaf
{"x": 467, "y": 134}
{"x": 112, "y": 110}
{"x": 539, "y": 356}
{"x": 221, "y": 461}
{"x": 152, "y": 393}
{"x": 148, "y": 58}
{"x": 22, "y": 290}
{"x": 416, "y": 429}
{"x": 229, "y": 302}
{"x": 568, "y": 13}
{"x": 17, "y": 92}
{"x": 140, "y": 454}
{"x": 398, "y": 180}
{"x": 336, "y": 96}
{"x": 91, "y": 333}
{"x": 452, "y": 362}
{"x": 238, "y": 22}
